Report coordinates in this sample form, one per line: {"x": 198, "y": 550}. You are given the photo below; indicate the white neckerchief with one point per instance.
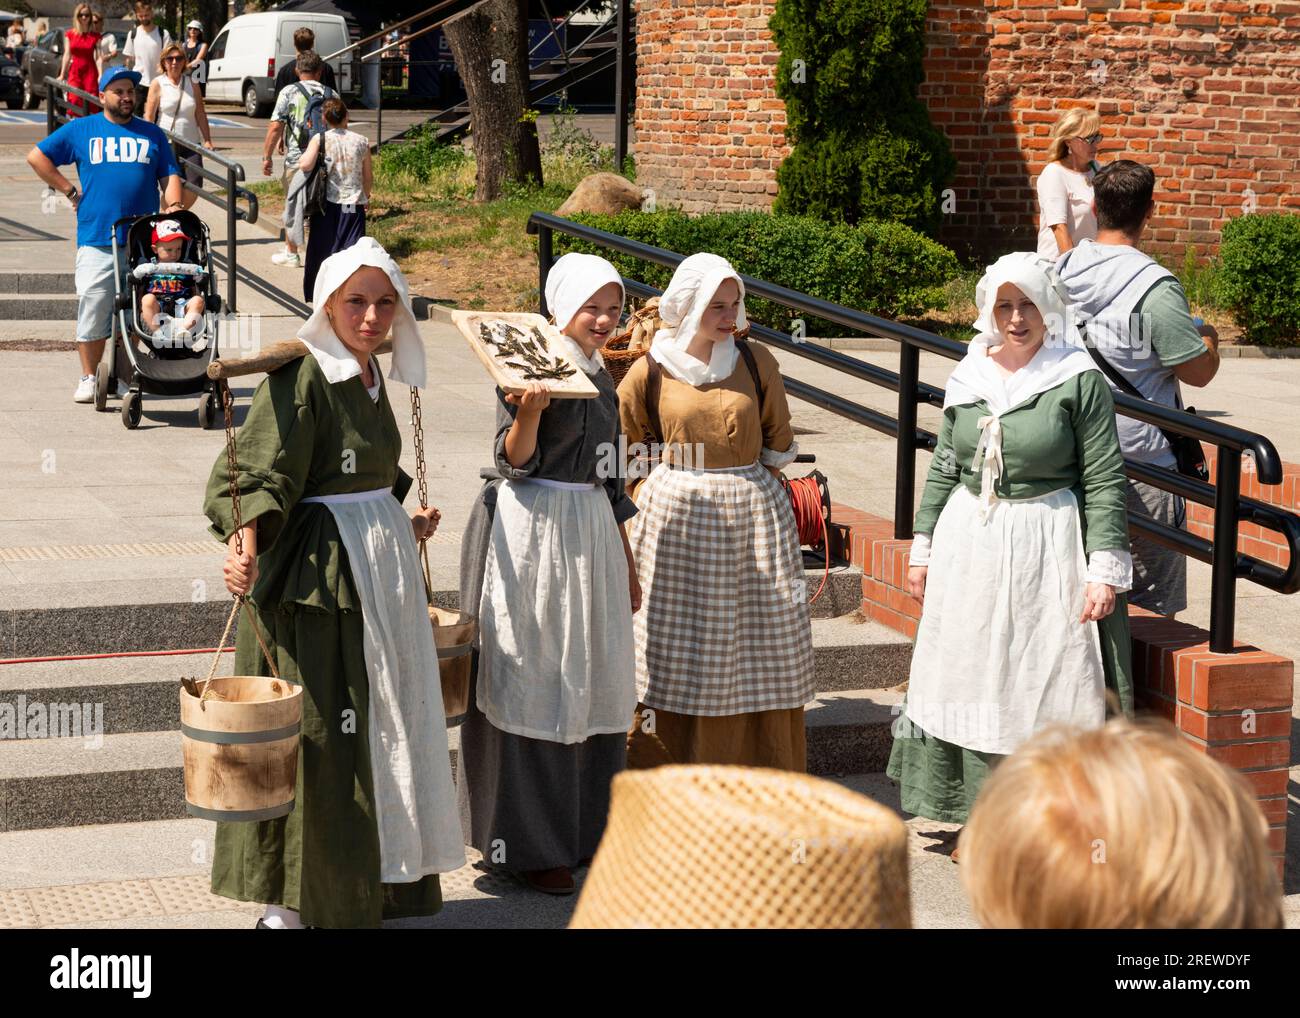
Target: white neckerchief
{"x": 336, "y": 361}
{"x": 681, "y": 307}
{"x": 592, "y": 365}
{"x": 977, "y": 377}
{"x": 693, "y": 371}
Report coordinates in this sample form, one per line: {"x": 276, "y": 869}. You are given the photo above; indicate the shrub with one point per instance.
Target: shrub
{"x": 863, "y": 144}
{"x": 1259, "y": 281}
{"x": 885, "y": 269}
{"x": 418, "y": 158}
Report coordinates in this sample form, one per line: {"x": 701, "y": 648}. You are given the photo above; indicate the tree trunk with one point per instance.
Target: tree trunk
{"x": 490, "y": 46}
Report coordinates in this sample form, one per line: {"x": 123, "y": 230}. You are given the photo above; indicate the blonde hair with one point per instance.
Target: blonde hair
{"x": 1075, "y": 123}
{"x": 171, "y": 47}
{"x": 90, "y": 15}
{"x": 1121, "y": 827}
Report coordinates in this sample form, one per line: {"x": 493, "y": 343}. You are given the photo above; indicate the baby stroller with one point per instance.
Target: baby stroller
{"x": 160, "y": 367}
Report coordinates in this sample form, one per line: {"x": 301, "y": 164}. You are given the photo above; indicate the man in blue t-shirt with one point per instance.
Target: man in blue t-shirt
{"x": 121, "y": 161}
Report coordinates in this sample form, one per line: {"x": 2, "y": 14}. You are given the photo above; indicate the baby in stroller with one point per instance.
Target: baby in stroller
{"x": 171, "y": 291}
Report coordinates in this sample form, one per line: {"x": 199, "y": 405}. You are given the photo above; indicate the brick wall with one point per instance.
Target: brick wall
{"x": 1205, "y": 91}
{"x": 1265, "y": 545}
{"x": 709, "y": 125}
{"x": 1235, "y": 707}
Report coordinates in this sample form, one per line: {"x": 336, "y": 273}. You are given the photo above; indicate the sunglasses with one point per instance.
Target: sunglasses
{"x": 1092, "y": 139}
{"x": 82, "y": 17}
{"x": 173, "y": 60}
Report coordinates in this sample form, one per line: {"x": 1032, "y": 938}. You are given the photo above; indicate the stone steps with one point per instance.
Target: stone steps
{"x": 138, "y": 694}
{"x": 37, "y": 282}
{"x": 179, "y": 625}
{"x": 136, "y": 776}
{"x": 39, "y": 307}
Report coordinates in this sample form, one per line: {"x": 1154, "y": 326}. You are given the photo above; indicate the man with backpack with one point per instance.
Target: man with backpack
{"x": 303, "y": 40}
{"x": 1140, "y": 331}
{"x": 298, "y": 115}
{"x": 144, "y": 45}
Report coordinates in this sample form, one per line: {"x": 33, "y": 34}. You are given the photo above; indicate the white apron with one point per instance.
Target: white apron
{"x": 555, "y": 617}
{"x": 415, "y": 800}
{"x": 1000, "y": 652}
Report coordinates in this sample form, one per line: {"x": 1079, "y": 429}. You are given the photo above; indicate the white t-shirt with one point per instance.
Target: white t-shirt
{"x": 1064, "y": 196}
{"x": 146, "y": 48}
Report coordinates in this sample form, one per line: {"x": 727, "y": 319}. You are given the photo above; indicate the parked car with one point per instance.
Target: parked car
{"x": 11, "y": 83}
{"x": 245, "y": 56}
{"x": 41, "y": 58}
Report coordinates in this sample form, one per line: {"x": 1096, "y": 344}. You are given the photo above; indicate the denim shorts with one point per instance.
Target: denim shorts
{"x": 95, "y": 293}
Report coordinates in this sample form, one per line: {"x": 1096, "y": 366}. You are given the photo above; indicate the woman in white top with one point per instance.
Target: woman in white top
{"x": 1065, "y": 214}
{"x": 342, "y": 222}
{"x": 175, "y": 105}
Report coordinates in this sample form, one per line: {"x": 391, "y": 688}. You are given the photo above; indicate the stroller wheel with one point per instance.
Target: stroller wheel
{"x": 131, "y": 410}
{"x": 209, "y": 412}
{"x": 102, "y": 382}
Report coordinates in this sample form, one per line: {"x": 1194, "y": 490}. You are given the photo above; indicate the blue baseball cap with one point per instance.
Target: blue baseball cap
{"x": 113, "y": 73}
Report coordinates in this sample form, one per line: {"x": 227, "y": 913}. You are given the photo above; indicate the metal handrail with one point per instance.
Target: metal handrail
{"x": 389, "y": 28}
{"x": 1227, "y": 564}
{"x": 56, "y": 93}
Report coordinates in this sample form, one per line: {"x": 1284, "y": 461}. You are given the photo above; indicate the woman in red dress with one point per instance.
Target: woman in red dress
{"x": 81, "y": 61}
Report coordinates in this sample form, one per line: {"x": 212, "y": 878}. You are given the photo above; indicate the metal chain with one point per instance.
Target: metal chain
{"x": 417, "y": 424}
{"x": 232, "y": 470}
{"x": 232, "y": 463}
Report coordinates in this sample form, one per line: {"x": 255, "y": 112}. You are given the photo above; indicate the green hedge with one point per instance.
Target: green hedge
{"x": 863, "y": 146}
{"x": 885, "y": 269}
{"x": 1259, "y": 281}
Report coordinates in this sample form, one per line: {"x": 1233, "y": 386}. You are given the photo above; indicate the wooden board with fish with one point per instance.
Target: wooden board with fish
{"x": 518, "y": 348}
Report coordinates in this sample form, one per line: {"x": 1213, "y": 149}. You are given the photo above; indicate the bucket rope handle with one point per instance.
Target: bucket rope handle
{"x": 232, "y": 469}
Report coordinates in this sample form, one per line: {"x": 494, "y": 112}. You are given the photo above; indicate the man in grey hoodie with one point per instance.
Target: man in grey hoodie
{"x": 1138, "y": 319}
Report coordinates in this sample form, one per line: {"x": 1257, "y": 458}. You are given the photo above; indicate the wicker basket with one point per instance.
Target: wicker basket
{"x": 623, "y": 350}
{"x": 707, "y": 847}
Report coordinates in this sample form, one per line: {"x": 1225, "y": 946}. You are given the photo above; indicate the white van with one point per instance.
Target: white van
{"x": 245, "y": 55}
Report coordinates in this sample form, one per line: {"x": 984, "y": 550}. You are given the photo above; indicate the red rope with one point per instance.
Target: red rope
{"x": 806, "y": 501}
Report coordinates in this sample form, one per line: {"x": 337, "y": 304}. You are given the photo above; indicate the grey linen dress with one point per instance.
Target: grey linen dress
{"x": 544, "y": 802}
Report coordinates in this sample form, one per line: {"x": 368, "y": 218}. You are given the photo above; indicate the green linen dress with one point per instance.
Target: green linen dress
{"x": 1064, "y": 437}
{"x": 304, "y": 437}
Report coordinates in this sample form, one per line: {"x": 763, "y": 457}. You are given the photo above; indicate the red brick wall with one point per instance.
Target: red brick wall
{"x": 1254, "y": 540}
{"x": 709, "y": 125}
{"x": 1205, "y": 91}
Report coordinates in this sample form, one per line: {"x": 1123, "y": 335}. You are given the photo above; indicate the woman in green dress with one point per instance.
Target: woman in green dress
{"x": 1020, "y": 557}
{"x": 330, "y": 558}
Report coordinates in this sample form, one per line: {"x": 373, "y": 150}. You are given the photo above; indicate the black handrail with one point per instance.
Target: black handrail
{"x": 1226, "y": 563}
{"x": 56, "y": 106}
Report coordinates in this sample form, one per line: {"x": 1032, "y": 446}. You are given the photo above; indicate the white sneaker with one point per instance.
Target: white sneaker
{"x": 85, "y": 390}
{"x": 122, "y": 388}
{"x": 289, "y": 259}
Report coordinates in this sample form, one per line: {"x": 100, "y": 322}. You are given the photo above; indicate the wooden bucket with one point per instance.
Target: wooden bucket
{"x": 453, "y": 634}
{"x": 241, "y": 748}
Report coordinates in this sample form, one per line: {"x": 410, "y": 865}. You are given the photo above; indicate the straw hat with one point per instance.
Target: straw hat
{"x": 703, "y": 847}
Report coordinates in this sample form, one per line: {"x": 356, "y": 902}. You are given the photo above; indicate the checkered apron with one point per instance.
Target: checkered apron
{"x": 724, "y": 626}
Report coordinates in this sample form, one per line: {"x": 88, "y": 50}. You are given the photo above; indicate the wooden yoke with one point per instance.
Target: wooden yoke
{"x": 274, "y": 356}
